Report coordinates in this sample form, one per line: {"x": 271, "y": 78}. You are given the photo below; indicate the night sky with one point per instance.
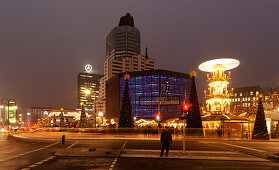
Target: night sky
{"x": 45, "y": 44}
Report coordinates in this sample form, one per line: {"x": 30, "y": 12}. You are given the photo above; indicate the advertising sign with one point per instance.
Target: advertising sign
{"x": 12, "y": 113}
{"x": 154, "y": 100}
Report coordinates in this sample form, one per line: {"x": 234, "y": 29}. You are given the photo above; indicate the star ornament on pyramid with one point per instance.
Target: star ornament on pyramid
{"x": 260, "y": 96}
{"x": 193, "y": 74}
{"x": 126, "y": 76}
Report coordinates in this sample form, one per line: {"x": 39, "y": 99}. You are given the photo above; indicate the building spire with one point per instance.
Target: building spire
{"x": 146, "y": 54}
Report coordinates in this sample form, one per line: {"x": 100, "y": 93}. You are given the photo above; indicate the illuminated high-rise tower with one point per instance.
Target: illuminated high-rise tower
{"x": 123, "y": 54}
{"x": 123, "y": 50}
{"x": 218, "y": 94}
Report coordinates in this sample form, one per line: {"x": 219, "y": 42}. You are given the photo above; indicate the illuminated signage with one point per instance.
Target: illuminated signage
{"x": 154, "y": 100}
{"x": 88, "y": 68}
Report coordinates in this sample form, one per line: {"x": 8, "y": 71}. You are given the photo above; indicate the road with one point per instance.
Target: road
{"x": 133, "y": 154}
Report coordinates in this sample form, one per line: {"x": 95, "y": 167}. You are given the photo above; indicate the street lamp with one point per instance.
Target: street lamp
{"x": 87, "y": 93}
{"x": 101, "y": 114}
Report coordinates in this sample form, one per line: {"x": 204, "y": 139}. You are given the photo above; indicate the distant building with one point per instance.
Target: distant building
{"x": 48, "y": 116}
{"x": 123, "y": 53}
{"x": 245, "y": 99}
{"x": 271, "y": 101}
{"x": 145, "y": 89}
{"x": 88, "y": 90}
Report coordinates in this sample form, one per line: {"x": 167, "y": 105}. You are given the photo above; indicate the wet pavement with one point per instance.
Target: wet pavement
{"x": 18, "y": 153}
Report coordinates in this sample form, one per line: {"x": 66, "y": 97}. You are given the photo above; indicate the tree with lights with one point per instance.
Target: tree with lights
{"x": 126, "y": 116}
{"x": 83, "y": 118}
{"x": 194, "y": 122}
{"x": 260, "y": 128}
{"x": 61, "y": 118}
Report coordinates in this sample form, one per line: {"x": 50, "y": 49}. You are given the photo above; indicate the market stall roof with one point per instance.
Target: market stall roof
{"x": 272, "y": 115}
{"x": 219, "y": 117}
{"x": 144, "y": 120}
{"x": 227, "y": 63}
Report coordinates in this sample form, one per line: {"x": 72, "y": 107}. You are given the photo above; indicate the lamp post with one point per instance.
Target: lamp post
{"x": 166, "y": 87}
{"x": 101, "y": 114}
{"x": 10, "y": 101}
{"x": 88, "y": 93}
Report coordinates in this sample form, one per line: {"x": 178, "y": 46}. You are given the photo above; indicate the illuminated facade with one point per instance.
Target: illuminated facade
{"x": 88, "y": 82}
{"x": 245, "y": 99}
{"x": 145, "y": 88}
{"x": 8, "y": 108}
{"x": 218, "y": 95}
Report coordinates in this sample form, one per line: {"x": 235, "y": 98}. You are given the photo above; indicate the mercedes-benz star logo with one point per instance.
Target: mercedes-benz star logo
{"x": 88, "y": 68}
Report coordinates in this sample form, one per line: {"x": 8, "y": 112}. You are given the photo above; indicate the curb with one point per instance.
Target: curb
{"x": 132, "y": 138}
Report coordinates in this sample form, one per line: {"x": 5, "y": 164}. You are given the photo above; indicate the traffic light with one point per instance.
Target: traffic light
{"x": 157, "y": 117}
{"x": 184, "y": 110}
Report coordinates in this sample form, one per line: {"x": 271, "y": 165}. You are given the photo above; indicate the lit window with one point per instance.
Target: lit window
{"x": 232, "y": 100}
{"x": 240, "y": 94}
{"x": 235, "y": 94}
{"x": 245, "y": 98}
{"x": 254, "y": 98}
{"x": 249, "y": 98}
{"x": 257, "y": 92}
{"x": 251, "y": 93}
{"x": 239, "y": 99}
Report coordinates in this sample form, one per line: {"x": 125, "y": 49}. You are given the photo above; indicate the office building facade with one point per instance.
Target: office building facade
{"x": 123, "y": 54}
{"x": 245, "y": 99}
{"x": 88, "y": 90}
{"x": 123, "y": 50}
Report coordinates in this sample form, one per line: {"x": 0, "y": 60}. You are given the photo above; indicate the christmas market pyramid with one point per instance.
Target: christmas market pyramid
{"x": 260, "y": 128}
{"x": 126, "y": 116}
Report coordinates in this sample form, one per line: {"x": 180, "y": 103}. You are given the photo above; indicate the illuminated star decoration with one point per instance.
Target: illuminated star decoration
{"x": 260, "y": 96}
{"x": 126, "y": 76}
{"x": 193, "y": 74}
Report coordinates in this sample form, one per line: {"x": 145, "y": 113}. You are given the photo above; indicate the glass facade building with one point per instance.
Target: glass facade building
{"x": 87, "y": 81}
{"x": 145, "y": 90}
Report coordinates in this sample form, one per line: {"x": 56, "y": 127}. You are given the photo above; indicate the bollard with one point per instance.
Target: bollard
{"x": 63, "y": 140}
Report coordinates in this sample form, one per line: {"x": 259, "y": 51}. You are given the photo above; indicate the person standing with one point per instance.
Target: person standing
{"x": 166, "y": 139}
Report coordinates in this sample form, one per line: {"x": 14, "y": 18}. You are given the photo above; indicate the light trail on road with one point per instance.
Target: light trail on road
{"x": 22, "y": 154}
{"x": 244, "y": 147}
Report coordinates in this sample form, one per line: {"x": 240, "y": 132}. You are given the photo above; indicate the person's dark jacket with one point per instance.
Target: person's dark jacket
{"x": 166, "y": 137}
